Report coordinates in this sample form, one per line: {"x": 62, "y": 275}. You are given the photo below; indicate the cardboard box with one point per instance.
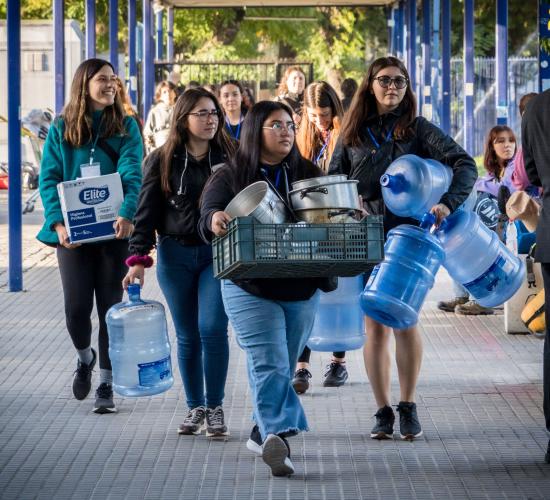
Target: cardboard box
{"x": 90, "y": 207}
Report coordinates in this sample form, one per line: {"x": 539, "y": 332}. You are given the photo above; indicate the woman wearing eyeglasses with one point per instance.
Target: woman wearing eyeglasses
{"x": 167, "y": 216}
{"x": 272, "y": 318}
{"x": 380, "y": 126}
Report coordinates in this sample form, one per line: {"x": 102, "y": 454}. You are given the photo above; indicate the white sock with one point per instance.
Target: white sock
{"x": 85, "y": 355}
{"x": 105, "y": 376}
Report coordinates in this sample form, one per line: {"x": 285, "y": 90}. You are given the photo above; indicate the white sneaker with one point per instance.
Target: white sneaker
{"x": 276, "y": 454}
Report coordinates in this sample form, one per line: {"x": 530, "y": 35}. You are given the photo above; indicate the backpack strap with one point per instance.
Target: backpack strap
{"x": 109, "y": 150}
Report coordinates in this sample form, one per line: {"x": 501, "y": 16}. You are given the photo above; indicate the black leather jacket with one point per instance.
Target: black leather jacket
{"x": 178, "y": 214}
{"x": 367, "y": 163}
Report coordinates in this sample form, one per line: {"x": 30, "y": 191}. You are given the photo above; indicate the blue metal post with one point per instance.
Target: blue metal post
{"x": 113, "y": 33}
{"x": 391, "y": 31}
{"x": 90, "y": 29}
{"x": 501, "y": 52}
{"x": 147, "y": 63}
{"x": 411, "y": 43}
{"x": 59, "y": 53}
{"x": 446, "y": 65}
{"x": 159, "y": 53}
{"x": 469, "y": 76}
{"x": 427, "y": 59}
{"x": 170, "y": 35}
{"x": 400, "y": 31}
{"x": 132, "y": 64}
{"x": 13, "y": 72}
{"x": 436, "y": 59}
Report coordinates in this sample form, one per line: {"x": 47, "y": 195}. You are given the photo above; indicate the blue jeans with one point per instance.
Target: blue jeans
{"x": 193, "y": 295}
{"x": 273, "y": 334}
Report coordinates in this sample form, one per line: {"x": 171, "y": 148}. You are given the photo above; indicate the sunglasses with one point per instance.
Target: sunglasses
{"x": 399, "y": 82}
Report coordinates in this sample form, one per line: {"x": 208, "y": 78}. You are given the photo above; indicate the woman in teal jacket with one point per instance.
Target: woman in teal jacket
{"x": 93, "y": 129}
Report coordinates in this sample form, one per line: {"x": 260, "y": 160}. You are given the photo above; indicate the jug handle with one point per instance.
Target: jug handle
{"x": 427, "y": 221}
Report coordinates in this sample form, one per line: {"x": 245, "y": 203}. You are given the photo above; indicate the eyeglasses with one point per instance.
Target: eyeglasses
{"x": 203, "y": 115}
{"x": 400, "y": 82}
{"x": 278, "y": 127}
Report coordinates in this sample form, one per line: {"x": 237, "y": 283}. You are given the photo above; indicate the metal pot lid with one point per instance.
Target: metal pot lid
{"x": 316, "y": 181}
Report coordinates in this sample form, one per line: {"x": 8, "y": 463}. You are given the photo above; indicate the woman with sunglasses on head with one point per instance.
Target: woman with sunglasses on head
{"x": 231, "y": 100}
{"x": 167, "y": 216}
{"x": 272, "y": 318}
{"x": 93, "y": 133}
{"x": 316, "y": 140}
{"x": 381, "y": 125}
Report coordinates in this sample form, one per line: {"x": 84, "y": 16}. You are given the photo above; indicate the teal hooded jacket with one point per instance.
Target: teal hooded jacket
{"x": 61, "y": 162}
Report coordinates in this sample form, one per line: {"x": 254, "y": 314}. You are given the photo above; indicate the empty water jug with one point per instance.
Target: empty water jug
{"x": 339, "y": 321}
{"x": 476, "y": 258}
{"x": 412, "y": 185}
{"x": 398, "y": 285}
{"x": 138, "y": 346}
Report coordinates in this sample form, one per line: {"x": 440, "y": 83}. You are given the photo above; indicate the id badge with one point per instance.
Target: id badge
{"x": 90, "y": 170}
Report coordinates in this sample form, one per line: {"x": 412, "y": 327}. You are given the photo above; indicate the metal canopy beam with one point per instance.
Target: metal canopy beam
{"x": 186, "y": 4}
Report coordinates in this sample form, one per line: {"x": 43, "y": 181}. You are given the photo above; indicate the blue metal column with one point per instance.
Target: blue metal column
{"x": 411, "y": 43}
{"x": 113, "y": 33}
{"x": 436, "y": 62}
{"x": 170, "y": 35}
{"x": 427, "y": 59}
{"x": 147, "y": 63}
{"x": 13, "y": 72}
{"x": 90, "y": 29}
{"x": 469, "y": 76}
{"x": 391, "y": 31}
{"x": 159, "y": 53}
{"x": 132, "y": 64}
{"x": 446, "y": 65}
{"x": 501, "y": 53}
{"x": 400, "y": 31}
{"x": 59, "y": 53}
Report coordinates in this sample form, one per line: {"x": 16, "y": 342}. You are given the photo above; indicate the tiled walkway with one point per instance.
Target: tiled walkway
{"x": 479, "y": 401}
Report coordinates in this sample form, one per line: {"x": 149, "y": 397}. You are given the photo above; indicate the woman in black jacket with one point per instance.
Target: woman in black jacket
{"x": 272, "y": 318}
{"x": 167, "y": 216}
{"x": 380, "y": 126}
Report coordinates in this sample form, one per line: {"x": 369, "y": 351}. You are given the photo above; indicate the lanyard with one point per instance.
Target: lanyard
{"x": 180, "y": 189}
{"x": 93, "y": 148}
{"x": 320, "y": 155}
{"x": 375, "y": 142}
{"x": 265, "y": 171}
{"x": 230, "y": 128}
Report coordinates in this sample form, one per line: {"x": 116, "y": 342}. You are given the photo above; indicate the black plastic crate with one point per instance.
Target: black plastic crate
{"x": 254, "y": 250}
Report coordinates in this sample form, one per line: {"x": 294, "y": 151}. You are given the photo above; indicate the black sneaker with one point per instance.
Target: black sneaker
{"x": 104, "y": 399}
{"x": 276, "y": 454}
{"x": 254, "y": 443}
{"x": 409, "y": 426}
{"x": 336, "y": 375}
{"x": 300, "y": 382}
{"x": 194, "y": 422}
{"x": 385, "y": 419}
{"x": 215, "y": 423}
{"x": 82, "y": 381}
{"x": 547, "y": 456}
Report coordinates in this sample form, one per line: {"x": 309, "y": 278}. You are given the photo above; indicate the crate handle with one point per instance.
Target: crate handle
{"x": 314, "y": 189}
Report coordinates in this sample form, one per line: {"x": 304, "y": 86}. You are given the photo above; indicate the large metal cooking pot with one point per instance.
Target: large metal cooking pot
{"x": 326, "y": 215}
{"x": 261, "y": 202}
{"x": 332, "y": 191}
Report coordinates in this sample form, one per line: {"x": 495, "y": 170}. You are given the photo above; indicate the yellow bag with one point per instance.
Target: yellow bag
{"x": 533, "y": 313}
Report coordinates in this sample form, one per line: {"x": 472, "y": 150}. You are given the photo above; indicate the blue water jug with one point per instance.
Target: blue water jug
{"x": 398, "y": 285}
{"x": 476, "y": 258}
{"x": 138, "y": 346}
{"x": 339, "y": 323}
{"x": 412, "y": 185}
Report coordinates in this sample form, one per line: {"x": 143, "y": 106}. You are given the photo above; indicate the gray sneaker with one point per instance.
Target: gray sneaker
{"x": 472, "y": 308}
{"x": 104, "y": 399}
{"x": 194, "y": 422}
{"x": 215, "y": 423}
{"x": 450, "y": 305}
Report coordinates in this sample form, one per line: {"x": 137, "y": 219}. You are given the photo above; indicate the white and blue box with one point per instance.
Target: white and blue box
{"x": 90, "y": 207}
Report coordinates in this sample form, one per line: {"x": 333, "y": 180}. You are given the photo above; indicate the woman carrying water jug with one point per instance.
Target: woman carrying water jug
{"x": 167, "y": 216}
{"x": 272, "y": 318}
{"x": 380, "y": 126}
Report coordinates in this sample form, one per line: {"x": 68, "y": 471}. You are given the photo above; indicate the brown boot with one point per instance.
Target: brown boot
{"x": 449, "y": 305}
{"x": 472, "y": 308}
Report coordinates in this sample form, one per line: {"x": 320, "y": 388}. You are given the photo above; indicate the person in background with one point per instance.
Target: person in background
{"x": 93, "y": 129}
{"x": 158, "y": 121}
{"x": 316, "y": 140}
{"x": 291, "y": 91}
{"x": 167, "y": 216}
{"x": 380, "y": 126}
{"x": 535, "y": 139}
{"x": 231, "y": 100}
{"x": 349, "y": 87}
{"x": 272, "y": 318}
{"x": 211, "y": 87}
{"x": 248, "y": 98}
{"x": 175, "y": 77}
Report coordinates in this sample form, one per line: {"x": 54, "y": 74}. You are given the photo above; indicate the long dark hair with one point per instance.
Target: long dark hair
{"x": 178, "y": 134}
{"x": 239, "y": 85}
{"x": 490, "y": 158}
{"x": 77, "y": 114}
{"x": 364, "y": 104}
{"x": 246, "y": 161}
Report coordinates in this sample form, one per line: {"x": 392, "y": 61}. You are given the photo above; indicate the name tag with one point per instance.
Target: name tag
{"x": 90, "y": 170}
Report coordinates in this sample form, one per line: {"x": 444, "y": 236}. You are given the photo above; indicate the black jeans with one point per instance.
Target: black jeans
{"x": 92, "y": 269}
{"x": 306, "y": 353}
{"x": 546, "y": 352}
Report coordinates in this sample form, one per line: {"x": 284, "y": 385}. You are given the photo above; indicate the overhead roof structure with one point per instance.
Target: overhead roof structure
{"x": 186, "y": 4}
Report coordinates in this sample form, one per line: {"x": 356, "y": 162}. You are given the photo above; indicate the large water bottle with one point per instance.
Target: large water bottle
{"x": 138, "y": 346}
{"x": 398, "y": 285}
{"x": 412, "y": 185}
{"x": 476, "y": 258}
{"x": 339, "y": 321}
